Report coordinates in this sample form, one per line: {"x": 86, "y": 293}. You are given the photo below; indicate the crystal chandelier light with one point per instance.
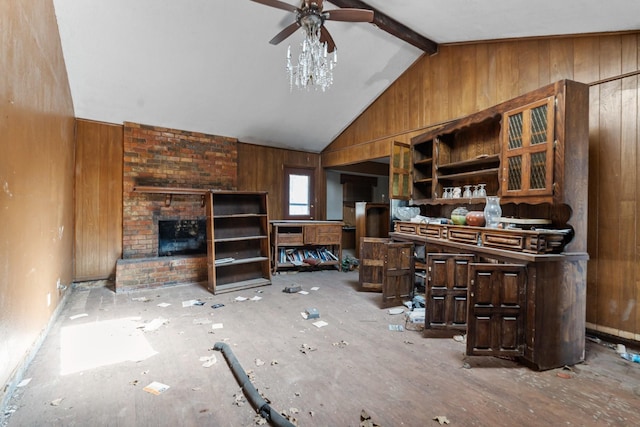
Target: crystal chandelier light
{"x": 315, "y": 64}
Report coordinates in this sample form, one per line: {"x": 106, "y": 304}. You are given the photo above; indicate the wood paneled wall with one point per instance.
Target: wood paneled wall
{"x": 462, "y": 79}
{"x": 98, "y": 200}
{"x": 261, "y": 168}
{"x": 36, "y": 178}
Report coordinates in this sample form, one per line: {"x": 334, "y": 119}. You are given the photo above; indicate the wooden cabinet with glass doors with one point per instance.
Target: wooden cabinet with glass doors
{"x": 532, "y": 152}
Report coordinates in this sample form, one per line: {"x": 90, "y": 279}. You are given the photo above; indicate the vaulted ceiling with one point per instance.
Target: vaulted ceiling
{"x": 207, "y": 66}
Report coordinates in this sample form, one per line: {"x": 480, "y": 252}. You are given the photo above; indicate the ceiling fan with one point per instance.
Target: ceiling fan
{"x": 311, "y": 16}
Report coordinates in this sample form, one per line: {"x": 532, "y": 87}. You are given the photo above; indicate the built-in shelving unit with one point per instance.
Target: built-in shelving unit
{"x": 298, "y": 244}
{"x": 238, "y": 247}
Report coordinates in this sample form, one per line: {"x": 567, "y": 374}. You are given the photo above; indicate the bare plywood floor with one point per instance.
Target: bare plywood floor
{"x": 91, "y": 370}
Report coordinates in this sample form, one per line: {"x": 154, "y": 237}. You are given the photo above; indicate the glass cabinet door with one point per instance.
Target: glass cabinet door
{"x": 528, "y": 144}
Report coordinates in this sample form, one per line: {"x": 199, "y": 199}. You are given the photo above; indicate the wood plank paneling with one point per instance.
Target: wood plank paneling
{"x": 453, "y": 84}
{"x": 261, "y": 168}
{"x": 98, "y": 200}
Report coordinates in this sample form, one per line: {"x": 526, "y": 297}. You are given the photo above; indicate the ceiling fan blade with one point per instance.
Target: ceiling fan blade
{"x": 278, "y": 4}
{"x": 349, "y": 15}
{"x": 326, "y": 37}
{"x": 284, "y": 33}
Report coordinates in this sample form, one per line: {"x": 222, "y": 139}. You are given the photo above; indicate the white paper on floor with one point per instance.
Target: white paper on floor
{"x": 95, "y": 344}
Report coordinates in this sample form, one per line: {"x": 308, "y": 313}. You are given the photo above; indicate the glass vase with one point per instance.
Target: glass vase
{"x": 492, "y": 212}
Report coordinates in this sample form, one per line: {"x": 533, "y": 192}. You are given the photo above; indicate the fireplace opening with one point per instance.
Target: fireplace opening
{"x": 182, "y": 237}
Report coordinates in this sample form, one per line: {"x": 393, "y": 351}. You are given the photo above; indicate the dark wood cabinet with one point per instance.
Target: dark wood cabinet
{"x": 496, "y": 310}
{"x": 446, "y": 290}
{"x": 372, "y": 220}
{"x": 522, "y": 292}
{"x": 387, "y": 267}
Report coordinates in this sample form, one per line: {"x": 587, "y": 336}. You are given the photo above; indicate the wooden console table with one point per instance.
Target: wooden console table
{"x": 297, "y": 244}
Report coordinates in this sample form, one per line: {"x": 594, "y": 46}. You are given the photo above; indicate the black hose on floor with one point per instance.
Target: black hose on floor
{"x": 257, "y": 402}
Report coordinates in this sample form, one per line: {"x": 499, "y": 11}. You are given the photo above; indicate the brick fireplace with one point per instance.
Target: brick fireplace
{"x": 163, "y": 157}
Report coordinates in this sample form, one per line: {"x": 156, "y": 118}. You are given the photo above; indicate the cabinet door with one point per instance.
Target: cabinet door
{"x": 310, "y": 234}
{"x": 400, "y": 172}
{"x": 446, "y": 290}
{"x": 527, "y": 150}
{"x": 496, "y": 310}
{"x": 399, "y": 279}
{"x": 373, "y": 251}
{"x": 328, "y": 235}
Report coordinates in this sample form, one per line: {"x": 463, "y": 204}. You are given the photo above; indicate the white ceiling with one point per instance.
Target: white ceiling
{"x": 207, "y": 66}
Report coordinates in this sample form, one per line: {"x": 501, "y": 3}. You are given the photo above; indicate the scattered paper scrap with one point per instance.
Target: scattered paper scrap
{"x": 319, "y": 323}
{"x": 142, "y": 299}
{"x": 274, "y": 362}
{"x": 315, "y": 288}
{"x": 259, "y": 362}
{"x": 223, "y": 260}
{"x": 216, "y": 326}
{"x": 256, "y": 298}
{"x": 209, "y": 361}
{"x": 441, "y": 419}
{"x": 397, "y": 328}
{"x": 56, "y": 402}
{"x": 156, "y": 388}
{"x": 460, "y": 338}
{"x": 24, "y": 382}
{"x": 154, "y": 324}
{"x": 77, "y": 316}
{"x": 396, "y": 310}
{"x": 164, "y": 304}
{"x": 241, "y": 298}
{"x": 304, "y": 292}
{"x": 192, "y": 302}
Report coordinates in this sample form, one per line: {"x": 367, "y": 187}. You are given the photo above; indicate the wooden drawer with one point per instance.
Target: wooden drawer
{"x": 406, "y": 227}
{"x": 463, "y": 235}
{"x": 503, "y": 240}
{"x": 290, "y": 239}
{"x": 328, "y": 235}
{"x": 429, "y": 230}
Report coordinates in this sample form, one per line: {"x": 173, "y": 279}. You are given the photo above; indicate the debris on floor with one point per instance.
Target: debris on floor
{"x": 154, "y": 324}
{"x": 306, "y": 349}
{"x": 239, "y": 399}
{"x": 293, "y": 289}
{"x": 141, "y": 299}
{"x": 240, "y": 298}
{"x": 320, "y": 324}
{"x": 156, "y": 388}
{"x": 164, "y": 304}
{"x": 217, "y": 326}
{"x": 366, "y": 421}
{"x": 56, "y": 402}
{"x": 441, "y": 419}
{"x": 77, "y": 316}
{"x": 209, "y": 361}
{"x": 192, "y": 302}
{"x": 396, "y": 310}
{"x": 460, "y": 338}
{"x": 259, "y": 362}
{"x": 396, "y": 328}
{"x": 218, "y": 305}
{"x": 341, "y": 344}
{"x": 310, "y": 313}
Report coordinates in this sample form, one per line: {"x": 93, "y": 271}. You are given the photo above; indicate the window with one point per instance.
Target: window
{"x": 299, "y": 198}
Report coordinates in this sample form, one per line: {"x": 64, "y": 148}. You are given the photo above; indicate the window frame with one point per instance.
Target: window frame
{"x": 310, "y": 173}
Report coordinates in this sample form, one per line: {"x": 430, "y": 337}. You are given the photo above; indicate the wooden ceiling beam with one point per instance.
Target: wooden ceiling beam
{"x": 391, "y": 26}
